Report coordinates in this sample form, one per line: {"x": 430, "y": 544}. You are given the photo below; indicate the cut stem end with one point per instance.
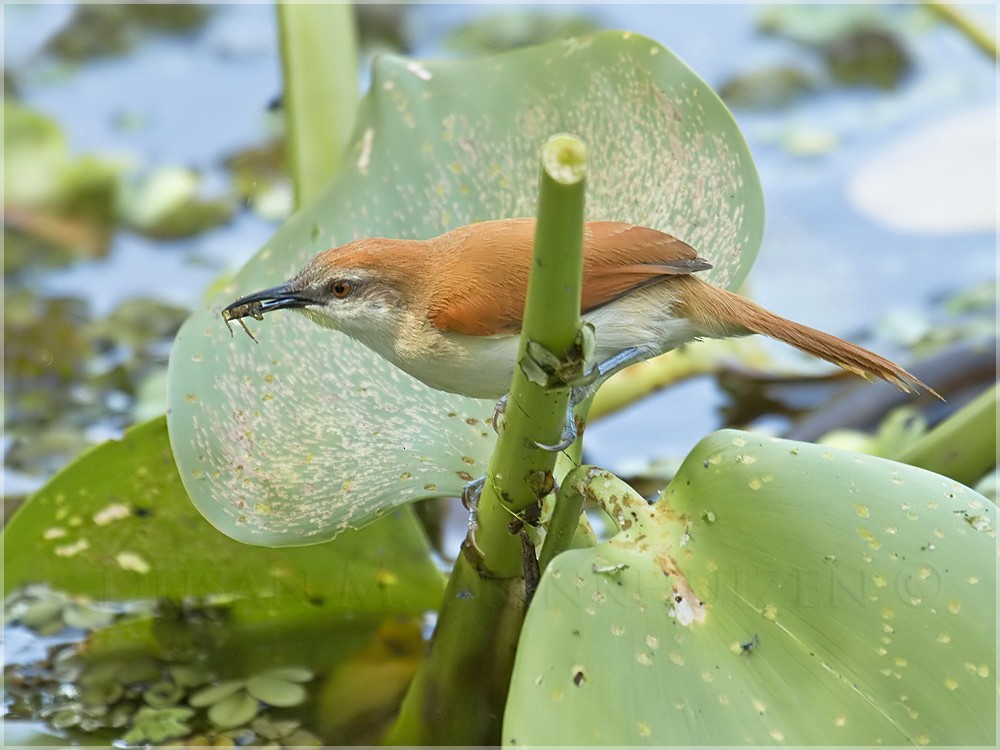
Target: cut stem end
{"x": 564, "y": 158}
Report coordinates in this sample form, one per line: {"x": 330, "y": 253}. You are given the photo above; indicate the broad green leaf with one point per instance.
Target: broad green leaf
{"x": 308, "y": 433}
{"x": 117, "y": 524}
{"x": 778, "y": 593}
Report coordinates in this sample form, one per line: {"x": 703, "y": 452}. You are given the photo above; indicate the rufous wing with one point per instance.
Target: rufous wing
{"x": 618, "y": 258}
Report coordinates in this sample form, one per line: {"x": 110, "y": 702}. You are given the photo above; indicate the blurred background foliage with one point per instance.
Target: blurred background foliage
{"x": 145, "y": 161}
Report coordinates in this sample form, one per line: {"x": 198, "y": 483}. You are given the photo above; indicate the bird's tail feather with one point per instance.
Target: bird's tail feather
{"x": 722, "y": 313}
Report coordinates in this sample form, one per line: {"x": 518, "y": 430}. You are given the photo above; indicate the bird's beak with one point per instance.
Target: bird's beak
{"x": 283, "y": 296}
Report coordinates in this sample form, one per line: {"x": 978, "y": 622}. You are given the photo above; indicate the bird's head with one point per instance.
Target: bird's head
{"x": 360, "y": 288}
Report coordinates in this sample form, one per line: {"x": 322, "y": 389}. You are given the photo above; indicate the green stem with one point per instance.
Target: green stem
{"x": 520, "y": 473}
{"x": 565, "y": 521}
{"x": 460, "y": 689}
{"x": 964, "y": 446}
{"x": 961, "y": 21}
{"x": 319, "y": 63}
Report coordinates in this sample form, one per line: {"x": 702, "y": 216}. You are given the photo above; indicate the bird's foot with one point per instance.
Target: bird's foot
{"x": 587, "y": 384}
{"x": 470, "y": 499}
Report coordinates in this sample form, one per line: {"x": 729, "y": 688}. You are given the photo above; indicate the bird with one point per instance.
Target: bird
{"x": 448, "y": 310}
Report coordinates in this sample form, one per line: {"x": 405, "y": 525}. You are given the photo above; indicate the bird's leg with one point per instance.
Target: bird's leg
{"x": 585, "y": 387}
{"x": 470, "y": 499}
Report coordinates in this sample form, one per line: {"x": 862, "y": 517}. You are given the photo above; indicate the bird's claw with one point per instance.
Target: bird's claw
{"x": 498, "y": 413}
{"x": 472, "y": 492}
{"x": 470, "y": 500}
{"x": 566, "y": 438}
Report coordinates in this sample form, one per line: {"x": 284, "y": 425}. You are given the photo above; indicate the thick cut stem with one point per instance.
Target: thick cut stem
{"x": 520, "y": 474}
{"x": 460, "y": 689}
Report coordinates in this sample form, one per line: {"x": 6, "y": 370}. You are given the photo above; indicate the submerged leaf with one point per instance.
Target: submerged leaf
{"x": 767, "y": 89}
{"x": 64, "y": 204}
{"x": 233, "y": 711}
{"x": 167, "y": 203}
{"x": 275, "y": 691}
{"x": 215, "y": 693}
{"x": 113, "y": 29}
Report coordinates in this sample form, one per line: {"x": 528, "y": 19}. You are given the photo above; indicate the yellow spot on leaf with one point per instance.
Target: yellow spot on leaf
{"x": 132, "y": 561}
{"x": 862, "y": 511}
{"x": 869, "y": 537}
{"x": 386, "y": 578}
{"x": 68, "y": 550}
{"x": 112, "y": 512}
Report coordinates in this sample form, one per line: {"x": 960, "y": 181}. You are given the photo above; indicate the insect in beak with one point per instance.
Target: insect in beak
{"x": 255, "y": 305}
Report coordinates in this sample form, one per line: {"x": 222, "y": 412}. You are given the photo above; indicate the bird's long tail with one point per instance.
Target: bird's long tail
{"x": 720, "y": 313}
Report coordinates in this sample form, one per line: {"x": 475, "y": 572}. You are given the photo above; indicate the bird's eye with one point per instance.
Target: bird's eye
{"x": 342, "y": 288}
